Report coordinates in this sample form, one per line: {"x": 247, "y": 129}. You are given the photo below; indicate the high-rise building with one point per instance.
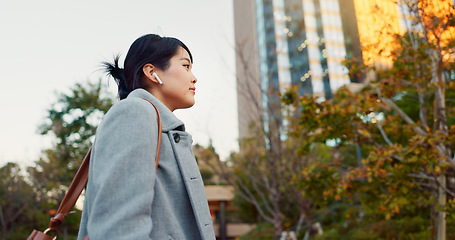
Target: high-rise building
{"x": 303, "y": 43}
{"x": 284, "y": 43}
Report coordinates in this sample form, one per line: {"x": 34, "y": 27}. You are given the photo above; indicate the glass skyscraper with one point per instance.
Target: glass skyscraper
{"x": 291, "y": 43}
{"x": 303, "y": 43}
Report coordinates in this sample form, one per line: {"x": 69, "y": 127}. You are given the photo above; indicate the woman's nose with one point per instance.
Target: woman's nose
{"x": 194, "y": 79}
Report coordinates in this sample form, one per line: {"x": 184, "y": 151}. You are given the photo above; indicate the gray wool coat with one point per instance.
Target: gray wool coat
{"x": 125, "y": 197}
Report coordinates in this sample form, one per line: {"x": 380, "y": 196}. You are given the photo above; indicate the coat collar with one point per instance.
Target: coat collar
{"x": 168, "y": 119}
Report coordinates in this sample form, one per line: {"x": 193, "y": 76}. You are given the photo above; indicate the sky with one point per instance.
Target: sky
{"x": 48, "y": 46}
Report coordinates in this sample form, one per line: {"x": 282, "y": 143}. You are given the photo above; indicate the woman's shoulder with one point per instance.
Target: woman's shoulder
{"x": 131, "y": 110}
{"x": 131, "y": 105}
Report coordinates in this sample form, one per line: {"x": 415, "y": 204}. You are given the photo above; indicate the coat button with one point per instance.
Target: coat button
{"x": 176, "y": 137}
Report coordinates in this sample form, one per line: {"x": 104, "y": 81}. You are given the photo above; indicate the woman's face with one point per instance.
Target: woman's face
{"x": 177, "y": 90}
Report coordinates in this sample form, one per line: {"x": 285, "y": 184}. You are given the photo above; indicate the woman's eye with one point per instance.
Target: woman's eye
{"x": 187, "y": 66}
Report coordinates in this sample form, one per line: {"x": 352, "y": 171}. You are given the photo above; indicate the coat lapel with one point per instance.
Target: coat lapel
{"x": 193, "y": 182}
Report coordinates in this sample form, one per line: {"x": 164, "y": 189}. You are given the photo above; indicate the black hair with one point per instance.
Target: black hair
{"x": 150, "y": 48}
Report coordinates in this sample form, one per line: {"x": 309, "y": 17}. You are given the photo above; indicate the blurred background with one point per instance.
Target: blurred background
{"x": 314, "y": 119}
{"x": 49, "y": 46}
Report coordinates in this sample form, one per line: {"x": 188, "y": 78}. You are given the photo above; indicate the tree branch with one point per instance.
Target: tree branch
{"x": 247, "y": 195}
{"x": 444, "y": 188}
{"x": 384, "y": 135}
{"x": 404, "y": 116}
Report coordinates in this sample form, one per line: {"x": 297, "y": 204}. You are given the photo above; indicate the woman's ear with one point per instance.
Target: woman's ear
{"x": 148, "y": 70}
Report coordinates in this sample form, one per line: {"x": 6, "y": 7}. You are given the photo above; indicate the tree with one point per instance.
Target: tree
{"x": 400, "y": 121}
{"x": 209, "y": 164}
{"x": 424, "y": 62}
{"x": 17, "y": 198}
{"x": 267, "y": 162}
{"x": 72, "y": 121}
{"x": 389, "y": 174}
{"x": 264, "y": 169}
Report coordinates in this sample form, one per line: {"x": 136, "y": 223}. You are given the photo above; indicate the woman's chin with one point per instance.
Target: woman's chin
{"x": 187, "y": 105}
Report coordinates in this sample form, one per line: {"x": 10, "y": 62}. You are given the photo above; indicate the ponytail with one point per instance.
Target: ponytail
{"x": 118, "y": 74}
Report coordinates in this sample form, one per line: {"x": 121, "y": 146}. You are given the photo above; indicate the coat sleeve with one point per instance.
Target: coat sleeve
{"x": 123, "y": 173}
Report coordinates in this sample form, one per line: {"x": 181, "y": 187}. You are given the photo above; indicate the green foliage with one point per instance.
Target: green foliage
{"x": 390, "y": 143}
{"x": 72, "y": 120}
{"x": 319, "y": 175}
{"x": 29, "y": 203}
{"x": 22, "y": 209}
{"x": 386, "y": 181}
{"x": 407, "y": 228}
{"x": 262, "y": 231}
{"x": 244, "y": 211}
{"x": 206, "y": 174}
{"x": 16, "y": 201}
{"x": 209, "y": 164}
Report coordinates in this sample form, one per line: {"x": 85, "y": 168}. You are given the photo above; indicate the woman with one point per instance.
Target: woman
{"x": 126, "y": 198}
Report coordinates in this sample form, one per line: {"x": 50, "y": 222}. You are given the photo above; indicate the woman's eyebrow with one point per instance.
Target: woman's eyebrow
{"x": 185, "y": 59}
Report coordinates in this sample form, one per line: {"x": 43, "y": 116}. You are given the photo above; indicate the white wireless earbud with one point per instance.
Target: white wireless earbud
{"x": 157, "y": 78}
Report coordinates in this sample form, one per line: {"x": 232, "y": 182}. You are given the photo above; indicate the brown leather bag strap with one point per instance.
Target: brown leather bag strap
{"x": 160, "y": 132}
{"x": 80, "y": 180}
